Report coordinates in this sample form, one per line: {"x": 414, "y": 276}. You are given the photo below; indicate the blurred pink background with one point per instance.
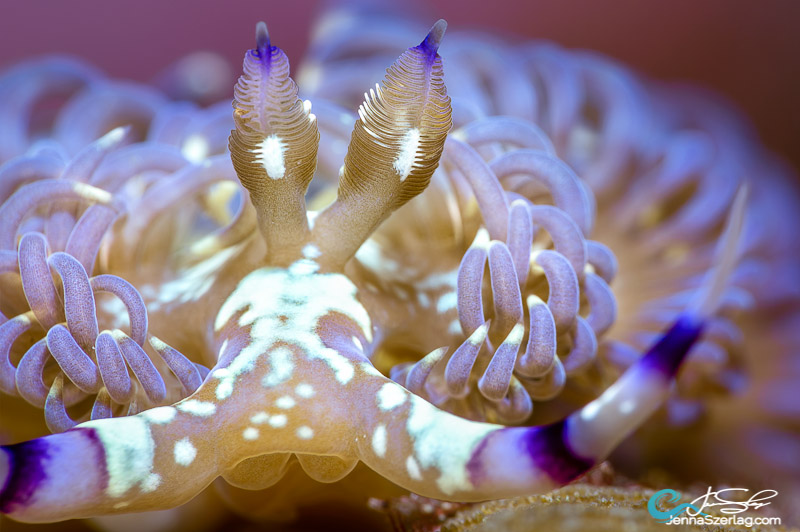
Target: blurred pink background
{"x": 748, "y": 51}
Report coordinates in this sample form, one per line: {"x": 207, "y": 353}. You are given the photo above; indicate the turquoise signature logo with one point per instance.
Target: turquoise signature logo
{"x": 670, "y": 496}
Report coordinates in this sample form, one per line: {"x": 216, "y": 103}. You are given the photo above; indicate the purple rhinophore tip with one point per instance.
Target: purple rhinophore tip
{"x": 667, "y": 354}
{"x": 430, "y": 45}
{"x": 262, "y": 41}
{"x": 550, "y": 451}
{"x": 25, "y": 473}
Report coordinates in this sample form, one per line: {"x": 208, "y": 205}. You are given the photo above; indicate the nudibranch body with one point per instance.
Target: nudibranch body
{"x": 315, "y": 325}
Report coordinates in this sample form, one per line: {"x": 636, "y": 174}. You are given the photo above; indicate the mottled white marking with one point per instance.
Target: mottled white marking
{"x": 270, "y": 155}
{"x": 281, "y": 367}
{"x": 304, "y": 390}
{"x": 195, "y": 148}
{"x": 404, "y": 162}
{"x": 432, "y": 431}
{"x": 390, "y": 396}
{"x": 184, "y": 452}
{"x": 305, "y": 433}
{"x": 122, "y": 504}
{"x": 160, "y": 415}
{"x": 250, "y": 433}
{"x": 371, "y": 256}
{"x": 114, "y": 307}
{"x": 413, "y": 468}
{"x": 285, "y": 402}
{"x": 197, "y": 408}
{"x": 310, "y": 251}
{"x": 369, "y": 369}
{"x": 278, "y": 421}
{"x": 192, "y": 283}
{"x": 379, "y": 441}
{"x": 129, "y": 451}
{"x": 283, "y": 306}
{"x": 447, "y": 301}
{"x": 151, "y": 483}
{"x": 304, "y": 267}
{"x": 259, "y": 418}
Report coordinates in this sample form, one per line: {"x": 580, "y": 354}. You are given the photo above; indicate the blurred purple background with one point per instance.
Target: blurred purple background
{"x": 748, "y": 51}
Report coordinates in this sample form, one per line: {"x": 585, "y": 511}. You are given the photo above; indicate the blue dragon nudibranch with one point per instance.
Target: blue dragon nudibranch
{"x": 180, "y": 314}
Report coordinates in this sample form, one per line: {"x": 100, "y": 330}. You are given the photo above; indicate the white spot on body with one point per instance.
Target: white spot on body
{"x": 404, "y": 162}
{"x": 250, "y": 433}
{"x": 278, "y": 421}
{"x": 197, "y": 408}
{"x": 285, "y": 402}
{"x": 184, "y": 452}
{"x": 160, "y": 415}
{"x": 413, "y": 468}
{"x": 270, "y": 155}
{"x": 379, "y": 441}
{"x": 390, "y": 396}
{"x": 259, "y": 418}
{"x": 151, "y": 483}
{"x": 304, "y": 390}
{"x": 305, "y": 433}
{"x": 129, "y": 451}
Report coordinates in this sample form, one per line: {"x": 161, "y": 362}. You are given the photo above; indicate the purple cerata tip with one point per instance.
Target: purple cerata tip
{"x": 667, "y": 354}
{"x": 550, "y": 450}
{"x": 262, "y": 40}
{"x": 430, "y": 44}
{"x": 25, "y": 473}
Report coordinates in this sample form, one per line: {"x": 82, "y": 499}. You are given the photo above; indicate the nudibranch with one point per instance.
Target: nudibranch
{"x": 446, "y": 292}
{"x": 296, "y": 336}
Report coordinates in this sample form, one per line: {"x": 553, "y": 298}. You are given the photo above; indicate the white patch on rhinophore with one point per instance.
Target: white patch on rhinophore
{"x": 129, "y": 450}
{"x": 284, "y": 306}
{"x": 379, "y": 441}
{"x": 413, "y": 468}
{"x": 285, "y": 402}
{"x": 250, "y": 433}
{"x": 160, "y": 415}
{"x": 281, "y": 366}
{"x": 184, "y": 452}
{"x": 304, "y": 390}
{"x": 270, "y": 155}
{"x": 259, "y": 418}
{"x": 446, "y": 442}
{"x": 197, "y": 408}
{"x": 404, "y": 162}
{"x": 278, "y": 421}
{"x": 305, "y": 433}
{"x": 390, "y": 396}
